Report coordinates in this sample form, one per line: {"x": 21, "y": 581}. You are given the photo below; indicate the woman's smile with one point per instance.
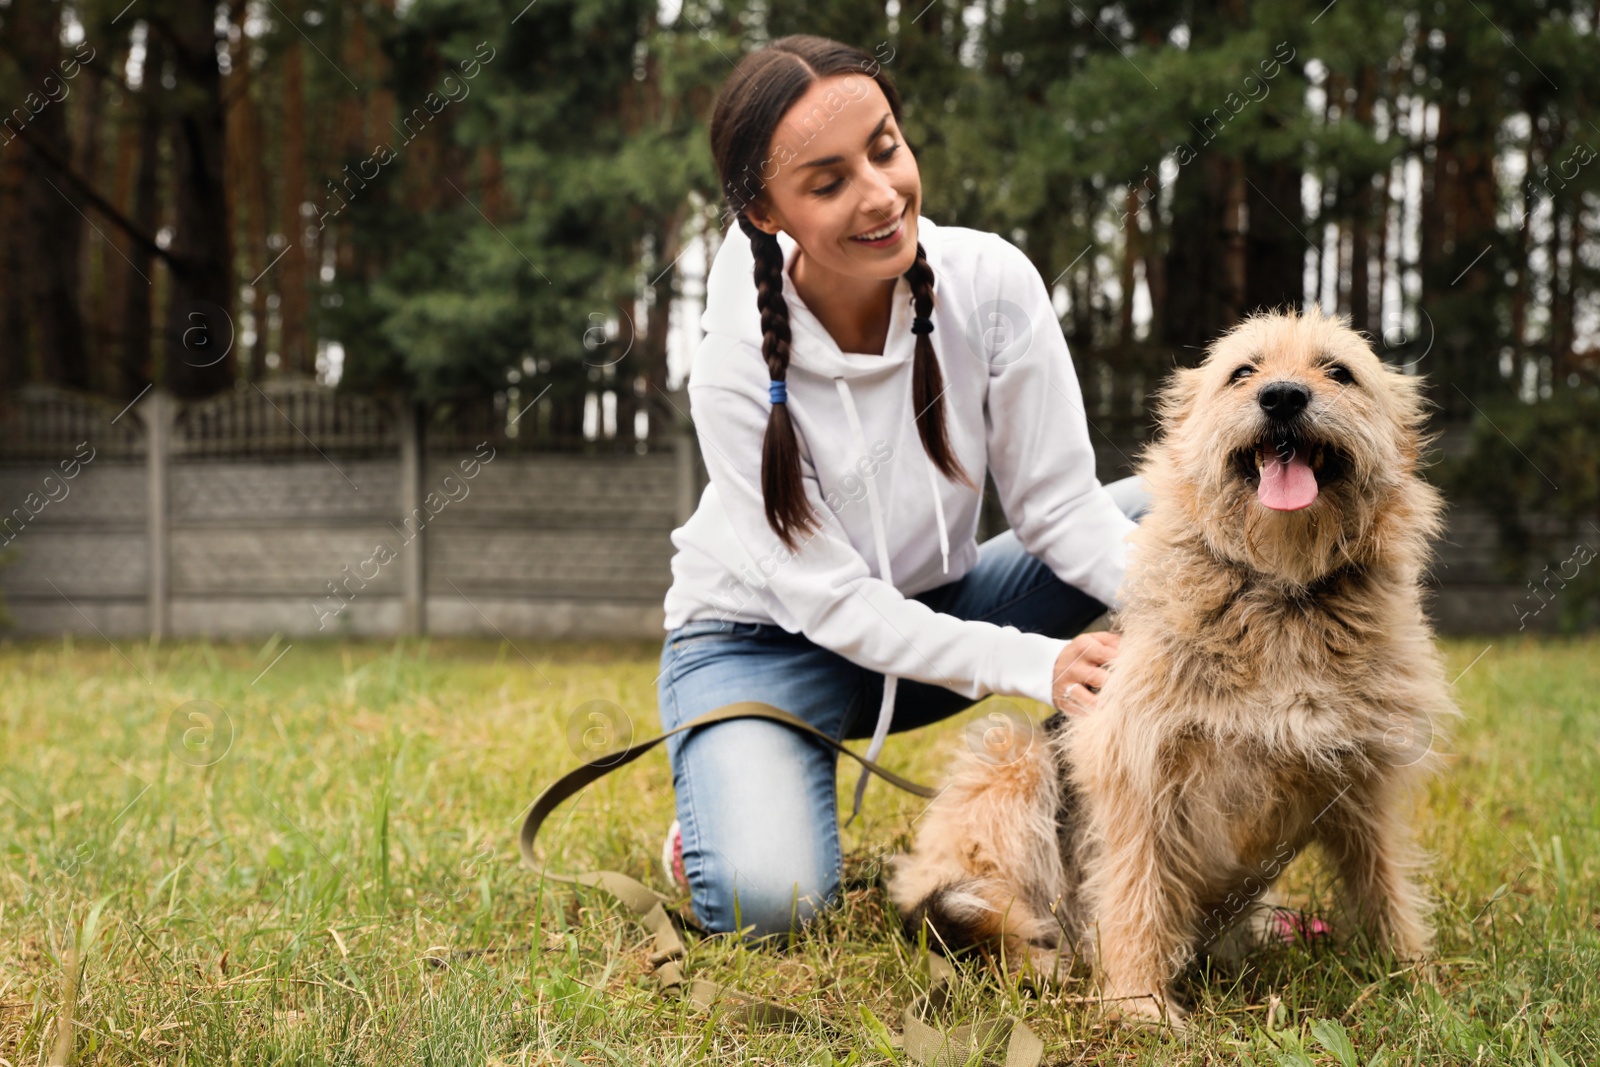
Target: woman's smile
{"x": 884, "y": 236}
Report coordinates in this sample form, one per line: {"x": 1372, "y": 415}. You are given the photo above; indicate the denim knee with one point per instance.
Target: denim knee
{"x": 760, "y": 831}
{"x": 771, "y": 885}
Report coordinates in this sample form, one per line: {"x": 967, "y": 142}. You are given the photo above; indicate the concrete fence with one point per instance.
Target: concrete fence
{"x": 290, "y": 509}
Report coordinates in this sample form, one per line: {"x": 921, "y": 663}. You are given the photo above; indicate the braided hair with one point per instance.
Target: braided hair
{"x": 762, "y": 88}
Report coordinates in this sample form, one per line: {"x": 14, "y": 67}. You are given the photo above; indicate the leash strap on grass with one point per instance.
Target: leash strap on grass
{"x": 923, "y": 1043}
{"x": 595, "y": 769}
{"x": 931, "y": 1047}
{"x": 649, "y": 907}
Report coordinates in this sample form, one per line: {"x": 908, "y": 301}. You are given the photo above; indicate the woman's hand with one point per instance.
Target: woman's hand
{"x": 1080, "y": 670}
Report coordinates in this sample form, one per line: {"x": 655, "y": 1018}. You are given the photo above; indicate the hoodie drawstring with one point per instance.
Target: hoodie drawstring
{"x": 880, "y": 540}
{"x": 880, "y": 537}
{"x": 938, "y": 510}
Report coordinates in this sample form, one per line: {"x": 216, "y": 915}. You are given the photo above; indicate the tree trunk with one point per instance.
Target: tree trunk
{"x": 87, "y": 159}
{"x": 50, "y": 215}
{"x": 118, "y": 278}
{"x": 1362, "y": 207}
{"x": 1381, "y": 324}
{"x": 1462, "y": 258}
{"x": 137, "y": 366}
{"x": 1522, "y": 289}
{"x": 16, "y": 366}
{"x": 294, "y": 349}
{"x": 200, "y": 328}
{"x": 1130, "y": 252}
{"x": 1563, "y": 248}
{"x": 248, "y": 206}
{"x": 1198, "y": 299}
{"x": 652, "y": 358}
{"x": 1275, "y": 248}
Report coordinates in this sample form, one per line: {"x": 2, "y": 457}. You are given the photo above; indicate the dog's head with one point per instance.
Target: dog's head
{"x": 1295, "y": 450}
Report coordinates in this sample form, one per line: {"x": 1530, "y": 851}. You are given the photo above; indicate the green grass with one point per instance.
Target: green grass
{"x": 339, "y": 882}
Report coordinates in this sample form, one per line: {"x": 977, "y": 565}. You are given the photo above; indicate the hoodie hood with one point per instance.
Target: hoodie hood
{"x": 731, "y": 309}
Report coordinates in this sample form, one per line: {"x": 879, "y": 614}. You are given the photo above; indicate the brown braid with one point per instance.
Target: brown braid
{"x": 781, "y": 487}
{"x": 927, "y": 383}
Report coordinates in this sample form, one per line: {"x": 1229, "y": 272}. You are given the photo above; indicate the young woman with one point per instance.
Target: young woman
{"x": 862, "y": 368}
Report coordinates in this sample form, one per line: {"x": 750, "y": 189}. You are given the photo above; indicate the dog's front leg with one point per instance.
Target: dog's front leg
{"x": 1372, "y": 850}
{"x": 1144, "y": 919}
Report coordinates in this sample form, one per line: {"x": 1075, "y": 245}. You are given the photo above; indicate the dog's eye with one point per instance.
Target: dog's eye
{"x": 1340, "y": 373}
{"x": 1241, "y": 372}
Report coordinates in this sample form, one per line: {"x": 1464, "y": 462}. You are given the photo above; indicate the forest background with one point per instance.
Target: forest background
{"x": 455, "y": 199}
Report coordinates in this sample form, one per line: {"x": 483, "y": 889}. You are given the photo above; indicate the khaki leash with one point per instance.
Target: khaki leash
{"x": 933, "y": 1047}
{"x": 923, "y": 1042}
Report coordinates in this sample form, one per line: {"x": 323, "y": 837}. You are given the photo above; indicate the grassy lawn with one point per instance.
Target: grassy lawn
{"x": 317, "y": 864}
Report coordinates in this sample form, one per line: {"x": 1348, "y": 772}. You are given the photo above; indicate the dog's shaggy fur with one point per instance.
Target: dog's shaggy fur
{"x": 1276, "y": 685}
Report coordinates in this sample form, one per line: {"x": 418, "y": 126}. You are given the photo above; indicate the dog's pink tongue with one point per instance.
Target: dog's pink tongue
{"x": 1287, "y": 485}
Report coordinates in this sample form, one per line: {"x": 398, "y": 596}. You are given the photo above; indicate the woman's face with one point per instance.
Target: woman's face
{"x": 843, "y": 171}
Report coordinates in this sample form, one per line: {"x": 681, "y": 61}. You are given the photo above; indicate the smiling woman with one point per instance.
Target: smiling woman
{"x": 856, "y": 243}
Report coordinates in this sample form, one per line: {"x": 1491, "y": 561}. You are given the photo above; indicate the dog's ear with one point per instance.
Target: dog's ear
{"x": 1410, "y": 400}
{"x": 1409, "y": 405}
{"x": 1177, "y": 395}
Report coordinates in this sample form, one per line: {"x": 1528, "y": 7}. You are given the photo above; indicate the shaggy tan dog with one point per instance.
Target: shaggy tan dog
{"x": 1277, "y": 685}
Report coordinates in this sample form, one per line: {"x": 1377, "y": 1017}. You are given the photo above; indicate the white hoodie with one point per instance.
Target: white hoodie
{"x": 892, "y": 526}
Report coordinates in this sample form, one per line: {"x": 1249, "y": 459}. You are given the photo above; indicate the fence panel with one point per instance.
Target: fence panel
{"x": 74, "y": 533}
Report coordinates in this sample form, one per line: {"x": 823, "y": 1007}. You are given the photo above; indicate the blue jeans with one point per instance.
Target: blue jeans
{"x": 757, "y": 801}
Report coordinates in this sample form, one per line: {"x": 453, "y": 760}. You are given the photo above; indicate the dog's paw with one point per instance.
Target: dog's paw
{"x": 1050, "y": 968}
{"x": 1145, "y": 1011}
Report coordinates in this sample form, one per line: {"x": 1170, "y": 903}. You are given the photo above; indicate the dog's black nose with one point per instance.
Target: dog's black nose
{"x": 1283, "y": 400}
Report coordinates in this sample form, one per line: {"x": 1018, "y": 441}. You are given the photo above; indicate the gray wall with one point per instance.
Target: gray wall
{"x": 546, "y": 544}
{"x": 178, "y": 528}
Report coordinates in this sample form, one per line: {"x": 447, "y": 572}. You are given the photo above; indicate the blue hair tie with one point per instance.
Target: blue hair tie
{"x": 778, "y": 391}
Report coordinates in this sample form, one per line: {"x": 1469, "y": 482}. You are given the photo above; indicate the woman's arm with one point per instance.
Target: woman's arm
{"x": 1038, "y": 436}
{"x": 826, "y": 585}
